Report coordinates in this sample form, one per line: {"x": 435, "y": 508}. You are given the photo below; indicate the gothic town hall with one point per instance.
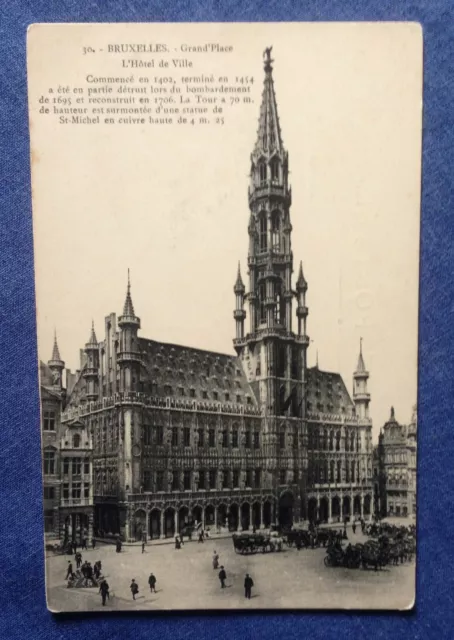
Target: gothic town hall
{"x": 148, "y": 437}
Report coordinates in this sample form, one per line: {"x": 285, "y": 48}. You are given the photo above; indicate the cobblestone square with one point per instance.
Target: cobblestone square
{"x": 186, "y": 580}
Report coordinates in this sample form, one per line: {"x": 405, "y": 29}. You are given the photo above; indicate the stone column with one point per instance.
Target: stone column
{"x": 90, "y": 527}
{"x": 250, "y": 518}
{"x": 162, "y": 525}
{"x": 216, "y": 519}
{"x": 203, "y": 518}
{"x": 176, "y": 521}
{"x": 341, "y": 505}
{"x": 330, "y": 514}
{"x": 147, "y": 524}
{"x": 362, "y": 504}
{"x": 77, "y": 527}
{"x": 261, "y": 515}
{"x": 317, "y": 515}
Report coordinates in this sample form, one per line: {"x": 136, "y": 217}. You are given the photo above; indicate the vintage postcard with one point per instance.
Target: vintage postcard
{"x": 226, "y": 224}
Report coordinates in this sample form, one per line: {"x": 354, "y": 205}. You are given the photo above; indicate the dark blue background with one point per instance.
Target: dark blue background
{"x": 23, "y": 612}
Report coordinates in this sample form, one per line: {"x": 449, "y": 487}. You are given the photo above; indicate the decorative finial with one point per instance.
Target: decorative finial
{"x": 392, "y": 413}
{"x": 267, "y": 59}
{"x": 361, "y": 346}
{"x": 316, "y": 359}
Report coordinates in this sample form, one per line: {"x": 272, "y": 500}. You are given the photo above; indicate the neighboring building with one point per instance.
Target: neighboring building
{"x": 397, "y": 467}
{"x": 185, "y": 435}
{"x": 67, "y": 453}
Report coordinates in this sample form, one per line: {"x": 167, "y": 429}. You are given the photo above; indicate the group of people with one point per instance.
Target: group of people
{"x": 89, "y": 573}
{"x": 134, "y": 587}
{"x": 222, "y": 575}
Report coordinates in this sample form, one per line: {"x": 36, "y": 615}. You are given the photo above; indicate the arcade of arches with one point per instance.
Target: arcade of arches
{"x": 166, "y": 522}
{"x": 335, "y": 508}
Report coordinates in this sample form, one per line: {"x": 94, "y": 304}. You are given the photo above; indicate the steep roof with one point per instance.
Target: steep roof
{"x": 269, "y": 132}
{"x": 326, "y": 392}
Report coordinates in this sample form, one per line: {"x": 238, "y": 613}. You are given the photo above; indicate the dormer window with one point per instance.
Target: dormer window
{"x": 76, "y": 441}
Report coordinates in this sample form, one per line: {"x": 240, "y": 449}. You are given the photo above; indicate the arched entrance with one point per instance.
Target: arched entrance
{"x": 155, "y": 524}
{"x": 139, "y": 524}
{"x": 335, "y": 509}
{"x": 312, "y": 510}
{"x": 197, "y": 515}
{"x": 233, "y": 517}
{"x": 222, "y": 517}
{"x": 357, "y": 506}
{"x": 346, "y": 506}
{"x": 285, "y": 514}
{"x": 256, "y": 515}
{"x": 169, "y": 523}
{"x": 367, "y": 501}
{"x": 183, "y": 518}
{"x": 267, "y": 513}
{"x": 324, "y": 510}
{"x": 245, "y": 516}
{"x": 209, "y": 516}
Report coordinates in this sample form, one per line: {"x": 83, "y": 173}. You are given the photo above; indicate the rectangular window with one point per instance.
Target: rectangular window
{"x": 282, "y": 476}
{"x": 215, "y": 395}
{"x": 227, "y": 397}
{"x": 159, "y": 430}
{"x": 76, "y": 466}
{"x": 66, "y": 491}
{"x": 249, "y": 478}
{"x": 187, "y": 437}
{"x": 204, "y": 395}
{"x": 236, "y": 479}
{"x": 211, "y": 438}
{"x": 48, "y": 520}
{"x": 181, "y": 391}
{"x": 226, "y": 480}
{"x": 174, "y": 436}
{"x": 86, "y": 467}
{"x": 201, "y": 433}
{"x": 212, "y": 478}
{"x": 282, "y": 440}
{"x": 65, "y": 466}
{"x": 258, "y": 478}
{"x": 248, "y": 439}
{"x": 187, "y": 480}
{"x": 86, "y": 490}
{"x": 235, "y": 438}
{"x": 192, "y": 393}
{"x": 176, "y": 481}
{"x": 256, "y": 439}
{"x": 49, "y": 463}
{"x": 49, "y": 421}
{"x": 147, "y": 480}
{"x": 147, "y": 434}
{"x": 225, "y": 439}
{"x": 202, "y": 480}
{"x": 76, "y": 490}
{"x": 238, "y": 399}
{"x": 49, "y": 493}
{"x": 159, "y": 480}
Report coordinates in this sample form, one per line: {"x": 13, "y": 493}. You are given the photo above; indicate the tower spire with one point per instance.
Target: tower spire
{"x": 269, "y": 132}
{"x": 361, "y": 396}
{"x": 360, "y": 367}
{"x": 56, "y": 364}
{"x": 128, "y": 309}
{"x": 55, "y": 350}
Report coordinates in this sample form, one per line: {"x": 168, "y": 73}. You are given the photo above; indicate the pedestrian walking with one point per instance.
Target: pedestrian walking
{"x": 201, "y": 536}
{"x": 104, "y": 591}
{"x": 134, "y": 589}
{"x": 248, "y": 584}
{"x": 222, "y": 577}
{"x": 354, "y": 527}
{"x": 118, "y": 545}
{"x": 143, "y": 547}
{"x": 177, "y": 543}
{"x": 84, "y": 544}
{"x": 93, "y": 543}
{"x": 69, "y": 572}
{"x": 78, "y": 559}
{"x": 152, "y": 582}
{"x": 215, "y": 560}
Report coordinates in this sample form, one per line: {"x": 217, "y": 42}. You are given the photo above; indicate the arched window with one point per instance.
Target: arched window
{"x": 347, "y": 447}
{"x": 331, "y": 471}
{"x": 263, "y": 232}
{"x": 353, "y": 471}
{"x": 352, "y": 444}
{"x": 276, "y": 231}
{"x": 262, "y": 296}
{"x": 338, "y": 437}
{"x": 262, "y": 173}
{"x": 275, "y": 170}
{"x": 339, "y": 472}
{"x": 76, "y": 441}
{"x": 331, "y": 441}
{"x": 325, "y": 441}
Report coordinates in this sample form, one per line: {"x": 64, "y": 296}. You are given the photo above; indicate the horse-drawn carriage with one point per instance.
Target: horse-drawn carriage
{"x": 349, "y": 557}
{"x": 246, "y": 543}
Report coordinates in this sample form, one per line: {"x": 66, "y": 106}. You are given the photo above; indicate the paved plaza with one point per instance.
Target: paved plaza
{"x": 186, "y": 580}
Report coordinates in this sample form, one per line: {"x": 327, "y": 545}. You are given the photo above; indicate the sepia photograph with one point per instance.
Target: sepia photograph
{"x": 226, "y": 226}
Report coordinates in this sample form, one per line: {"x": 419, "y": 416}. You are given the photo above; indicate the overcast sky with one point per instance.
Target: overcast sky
{"x": 170, "y": 202}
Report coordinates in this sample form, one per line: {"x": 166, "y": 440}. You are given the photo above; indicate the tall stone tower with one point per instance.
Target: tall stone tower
{"x": 274, "y": 357}
{"x": 361, "y": 397}
{"x": 128, "y": 356}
